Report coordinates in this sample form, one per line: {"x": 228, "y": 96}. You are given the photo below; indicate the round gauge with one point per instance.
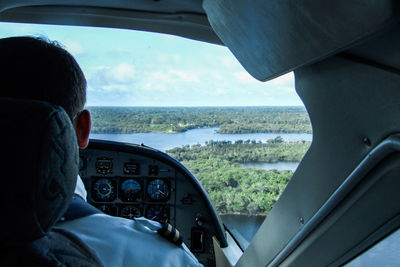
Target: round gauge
{"x": 130, "y": 189}
{"x": 157, "y": 213}
{"x": 104, "y": 165}
{"x": 130, "y": 212}
{"x": 158, "y": 189}
{"x": 103, "y": 190}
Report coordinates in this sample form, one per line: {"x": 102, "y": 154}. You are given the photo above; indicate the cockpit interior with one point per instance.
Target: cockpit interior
{"x": 341, "y": 206}
{"x": 131, "y": 181}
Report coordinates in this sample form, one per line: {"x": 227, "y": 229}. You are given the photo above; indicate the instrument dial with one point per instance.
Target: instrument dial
{"x": 158, "y": 190}
{"x": 104, "y": 165}
{"x": 131, "y": 168}
{"x": 104, "y": 190}
{"x": 158, "y": 213}
{"x": 130, "y": 190}
{"x": 130, "y": 212}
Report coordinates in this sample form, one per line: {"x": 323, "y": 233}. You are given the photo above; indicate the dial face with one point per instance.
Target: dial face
{"x": 130, "y": 212}
{"x": 158, "y": 189}
{"x": 130, "y": 190}
{"x": 104, "y": 190}
{"x": 157, "y": 213}
{"x": 131, "y": 168}
{"x": 104, "y": 165}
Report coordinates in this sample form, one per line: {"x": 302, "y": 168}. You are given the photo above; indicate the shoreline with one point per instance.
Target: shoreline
{"x": 242, "y": 214}
{"x": 94, "y": 131}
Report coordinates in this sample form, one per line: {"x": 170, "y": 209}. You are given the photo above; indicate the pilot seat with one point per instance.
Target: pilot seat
{"x": 39, "y": 165}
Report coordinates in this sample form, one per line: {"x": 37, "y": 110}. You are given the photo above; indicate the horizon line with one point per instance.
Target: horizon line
{"x": 89, "y": 106}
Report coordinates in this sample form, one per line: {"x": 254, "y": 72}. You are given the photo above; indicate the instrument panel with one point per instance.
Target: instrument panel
{"x": 134, "y": 188}
{"x": 131, "y": 181}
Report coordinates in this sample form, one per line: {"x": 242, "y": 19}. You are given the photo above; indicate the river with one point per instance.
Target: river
{"x": 165, "y": 141}
{"x": 247, "y": 226}
{"x": 280, "y": 166}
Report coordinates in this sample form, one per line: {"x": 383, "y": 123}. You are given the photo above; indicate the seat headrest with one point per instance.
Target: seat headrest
{"x": 38, "y": 168}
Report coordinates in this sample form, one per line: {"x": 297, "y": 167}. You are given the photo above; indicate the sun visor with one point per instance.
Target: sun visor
{"x": 273, "y": 37}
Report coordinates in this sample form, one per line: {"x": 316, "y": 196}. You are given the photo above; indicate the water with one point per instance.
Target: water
{"x": 165, "y": 141}
{"x": 280, "y": 166}
{"x": 247, "y": 226}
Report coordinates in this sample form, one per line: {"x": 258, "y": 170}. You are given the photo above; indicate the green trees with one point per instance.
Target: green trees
{"x": 179, "y": 119}
{"x": 232, "y": 187}
{"x": 235, "y": 189}
{"x": 273, "y": 150}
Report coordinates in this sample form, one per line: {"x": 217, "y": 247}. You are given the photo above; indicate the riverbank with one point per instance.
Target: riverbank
{"x": 166, "y": 141}
{"x": 280, "y": 166}
{"x": 233, "y": 120}
{"x": 244, "y": 151}
{"x": 235, "y": 189}
{"x": 215, "y": 159}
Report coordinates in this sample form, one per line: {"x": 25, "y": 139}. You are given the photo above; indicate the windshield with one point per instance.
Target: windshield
{"x": 241, "y": 138}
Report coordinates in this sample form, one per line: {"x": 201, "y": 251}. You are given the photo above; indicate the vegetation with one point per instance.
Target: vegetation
{"x": 179, "y": 119}
{"x": 217, "y": 164}
{"x": 232, "y": 187}
{"x": 273, "y": 150}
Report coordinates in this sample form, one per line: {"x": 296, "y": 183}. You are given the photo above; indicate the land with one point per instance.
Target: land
{"x": 234, "y": 189}
{"x": 179, "y": 119}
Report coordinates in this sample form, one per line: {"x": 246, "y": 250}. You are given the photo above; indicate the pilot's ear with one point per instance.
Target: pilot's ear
{"x": 82, "y": 125}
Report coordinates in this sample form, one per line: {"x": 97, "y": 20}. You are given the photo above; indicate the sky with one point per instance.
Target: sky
{"x": 134, "y": 68}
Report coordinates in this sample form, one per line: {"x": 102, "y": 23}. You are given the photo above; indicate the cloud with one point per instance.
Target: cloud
{"x": 228, "y": 61}
{"x": 288, "y": 89}
{"x": 174, "y": 80}
{"x": 123, "y": 73}
{"x": 117, "y": 78}
{"x": 244, "y": 77}
{"x": 216, "y": 76}
{"x": 167, "y": 85}
{"x": 184, "y": 76}
{"x": 162, "y": 58}
{"x": 74, "y": 48}
{"x": 287, "y": 79}
{"x": 125, "y": 77}
{"x": 284, "y": 80}
{"x": 155, "y": 81}
{"x": 221, "y": 91}
{"x": 166, "y": 59}
{"x": 121, "y": 53}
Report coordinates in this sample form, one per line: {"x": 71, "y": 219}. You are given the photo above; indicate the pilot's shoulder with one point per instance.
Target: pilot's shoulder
{"x": 101, "y": 229}
{"x": 168, "y": 232}
{"x": 164, "y": 229}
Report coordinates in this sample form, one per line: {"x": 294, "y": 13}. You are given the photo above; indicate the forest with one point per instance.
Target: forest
{"x": 235, "y": 189}
{"x": 273, "y": 150}
{"x": 179, "y": 119}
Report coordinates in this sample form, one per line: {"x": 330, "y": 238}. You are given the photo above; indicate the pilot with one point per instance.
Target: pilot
{"x": 34, "y": 68}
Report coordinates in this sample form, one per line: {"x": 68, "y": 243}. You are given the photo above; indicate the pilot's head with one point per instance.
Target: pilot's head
{"x": 35, "y": 68}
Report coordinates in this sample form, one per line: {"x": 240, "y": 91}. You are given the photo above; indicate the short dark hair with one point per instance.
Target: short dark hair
{"x": 35, "y": 68}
